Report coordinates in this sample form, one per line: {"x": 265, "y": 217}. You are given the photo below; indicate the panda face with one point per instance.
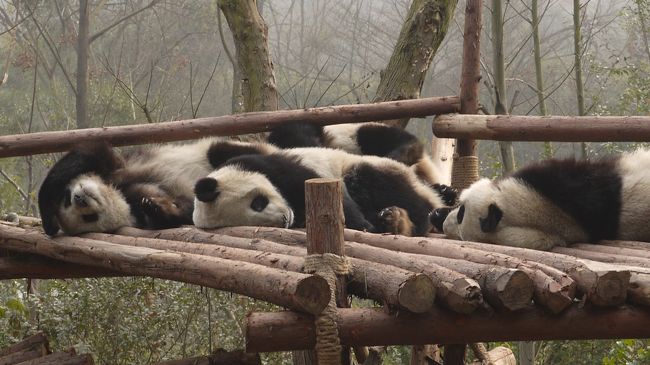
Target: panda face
{"x": 477, "y": 216}
{"x": 234, "y": 197}
{"x": 90, "y": 205}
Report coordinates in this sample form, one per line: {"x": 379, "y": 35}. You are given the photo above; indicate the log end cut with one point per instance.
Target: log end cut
{"x": 313, "y": 294}
{"x": 417, "y": 294}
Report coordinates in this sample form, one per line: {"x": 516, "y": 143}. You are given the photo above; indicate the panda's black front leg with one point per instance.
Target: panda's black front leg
{"x": 354, "y": 218}
{"x": 448, "y": 194}
{"x": 156, "y": 209}
{"x": 167, "y": 212}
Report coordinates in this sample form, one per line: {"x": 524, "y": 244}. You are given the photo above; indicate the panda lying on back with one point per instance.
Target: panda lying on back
{"x": 94, "y": 189}
{"x": 375, "y": 139}
{"x": 557, "y": 202}
{"x": 380, "y": 195}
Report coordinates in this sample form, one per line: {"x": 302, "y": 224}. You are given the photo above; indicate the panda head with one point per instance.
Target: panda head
{"x": 91, "y": 205}
{"x": 83, "y": 172}
{"x": 477, "y": 216}
{"x": 231, "y": 196}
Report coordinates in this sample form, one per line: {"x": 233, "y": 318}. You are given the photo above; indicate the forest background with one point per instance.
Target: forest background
{"x": 161, "y": 60}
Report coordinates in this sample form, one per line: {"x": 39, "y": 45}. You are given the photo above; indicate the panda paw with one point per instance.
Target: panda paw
{"x": 396, "y": 221}
{"x": 448, "y": 194}
{"x": 159, "y": 207}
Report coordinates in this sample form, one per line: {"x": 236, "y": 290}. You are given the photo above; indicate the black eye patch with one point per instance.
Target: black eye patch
{"x": 461, "y": 214}
{"x": 89, "y": 218}
{"x": 206, "y": 190}
{"x": 259, "y": 203}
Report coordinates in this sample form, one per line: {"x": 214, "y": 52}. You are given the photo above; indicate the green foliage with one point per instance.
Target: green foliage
{"x": 628, "y": 352}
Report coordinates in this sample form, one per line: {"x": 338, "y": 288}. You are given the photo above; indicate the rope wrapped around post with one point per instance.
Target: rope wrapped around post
{"x": 328, "y": 344}
{"x": 325, "y": 223}
{"x": 464, "y": 171}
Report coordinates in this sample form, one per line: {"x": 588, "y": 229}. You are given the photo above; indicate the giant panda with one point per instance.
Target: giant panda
{"x": 556, "y": 202}
{"x": 95, "y": 189}
{"x": 372, "y": 138}
{"x": 379, "y": 195}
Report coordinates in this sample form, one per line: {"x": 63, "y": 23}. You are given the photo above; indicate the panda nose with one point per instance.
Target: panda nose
{"x": 80, "y": 201}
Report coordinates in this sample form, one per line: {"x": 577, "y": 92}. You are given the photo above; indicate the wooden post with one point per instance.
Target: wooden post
{"x": 469, "y": 93}
{"x": 324, "y": 223}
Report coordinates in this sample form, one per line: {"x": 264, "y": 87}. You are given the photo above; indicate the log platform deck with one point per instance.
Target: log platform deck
{"x": 437, "y": 290}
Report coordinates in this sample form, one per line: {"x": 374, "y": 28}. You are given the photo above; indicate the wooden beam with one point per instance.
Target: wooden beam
{"x": 37, "y": 267}
{"x": 254, "y": 122}
{"x": 544, "y": 128}
{"x": 308, "y": 293}
{"x": 471, "y": 70}
{"x": 392, "y": 285}
{"x": 289, "y": 331}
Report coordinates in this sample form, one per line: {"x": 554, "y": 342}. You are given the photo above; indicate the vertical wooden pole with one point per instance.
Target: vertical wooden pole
{"x": 325, "y": 223}
{"x": 469, "y": 85}
{"x": 469, "y": 104}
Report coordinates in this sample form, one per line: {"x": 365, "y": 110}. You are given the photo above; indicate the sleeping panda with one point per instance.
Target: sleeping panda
{"x": 380, "y": 195}
{"x": 94, "y": 189}
{"x": 556, "y": 202}
{"x": 370, "y": 138}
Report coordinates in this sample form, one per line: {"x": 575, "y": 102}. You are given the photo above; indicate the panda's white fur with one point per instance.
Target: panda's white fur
{"x": 95, "y": 189}
{"x": 525, "y": 217}
{"x": 230, "y": 200}
{"x": 101, "y": 201}
{"x": 237, "y": 189}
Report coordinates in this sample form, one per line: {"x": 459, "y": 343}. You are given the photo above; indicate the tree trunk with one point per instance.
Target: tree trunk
{"x": 422, "y": 33}
{"x": 501, "y": 97}
{"x": 82, "y": 65}
{"x": 250, "y": 34}
{"x": 537, "y": 55}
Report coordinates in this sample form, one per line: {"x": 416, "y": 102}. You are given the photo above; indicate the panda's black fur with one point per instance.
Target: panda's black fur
{"x": 589, "y": 191}
{"x": 557, "y": 202}
{"x": 94, "y": 188}
{"x": 374, "y": 139}
{"x": 371, "y": 185}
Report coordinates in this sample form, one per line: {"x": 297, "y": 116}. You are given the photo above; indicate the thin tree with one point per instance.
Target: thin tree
{"x": 501, "y": 103}
{"x": 577, "y": 51}
{"x": 539, "y": 79}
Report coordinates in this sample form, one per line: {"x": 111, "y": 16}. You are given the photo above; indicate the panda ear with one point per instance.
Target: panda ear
{"x": 206, "y": 189}
{"x": 489, "y": 224}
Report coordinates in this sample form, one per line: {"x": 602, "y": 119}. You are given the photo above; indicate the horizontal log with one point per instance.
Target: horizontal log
{"x": 396, "y": 287}
{"x": 302, "y": 292}
{"x": 62, "y": 358}
{"x": 543, "y": 128}
{"x": 36, "y": 341}
{"x": 453, "y": 289}
{"x": 283, "y": 331}
{"x": 610, "y": 257}
{"x": 20, "y": 356}
{"x": 638, "y": 291}
{"x": 552, "y": 288}
{"x": 37, "y": 267}
{"x": 219, "y": 357}
{"x": 602, "y": 287}
{"x": 619, "y": 251}
{"x": 635, "y": 245}
{"x": 254, "y": 122}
